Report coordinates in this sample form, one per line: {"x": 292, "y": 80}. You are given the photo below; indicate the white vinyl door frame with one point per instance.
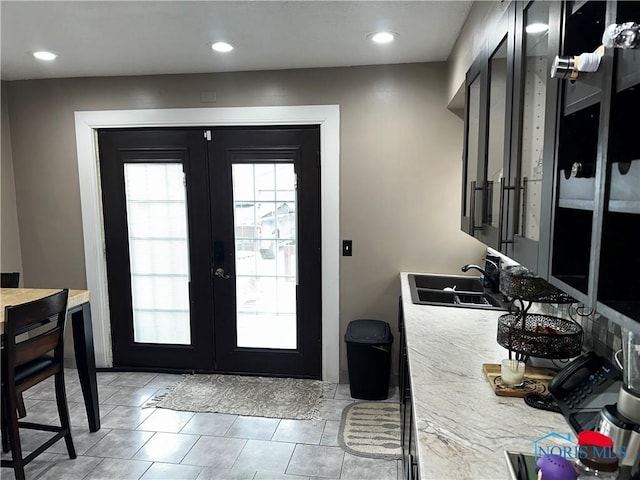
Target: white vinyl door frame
{"x": 327, "y": 116}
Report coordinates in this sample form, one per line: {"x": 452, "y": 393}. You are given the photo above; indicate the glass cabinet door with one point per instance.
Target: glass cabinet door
{"x": 472, "y": 152}
{"x": 496, "y": 141}
{"x": 498, "y": 70}
{"x": 534, "y": 86}
{"x": 488, "y": 142}
{"x": 534, "y": 126}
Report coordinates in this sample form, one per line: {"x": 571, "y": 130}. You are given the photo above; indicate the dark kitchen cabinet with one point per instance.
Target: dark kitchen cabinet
{"x": 470, "y": 184}
{"x": 579, "y": 120}
{"x": 596, "y": 215}
{"x": 527, "y": 235}
{"x": 566, "y": 201}
{"x": 407, "y": 428}
{"x": 487, "y": 135}
{"x": 507, "y": 152}
{"x": 619, "y": 227}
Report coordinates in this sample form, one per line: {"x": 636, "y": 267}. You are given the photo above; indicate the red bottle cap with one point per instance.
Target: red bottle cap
{"x": 597, "y": 439}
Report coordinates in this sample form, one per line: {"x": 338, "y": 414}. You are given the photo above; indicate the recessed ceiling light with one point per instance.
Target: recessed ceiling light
{"x": 44, "y": 55}
{"x": 537, "y": 28}
{"x": 223, "y": 47}
{"x": 382, "y": 37}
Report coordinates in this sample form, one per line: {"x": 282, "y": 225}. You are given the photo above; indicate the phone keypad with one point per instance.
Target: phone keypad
{"x": 580, "y": 393}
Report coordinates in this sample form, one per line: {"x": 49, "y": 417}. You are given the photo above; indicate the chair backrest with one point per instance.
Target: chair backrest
{"x": 48, "y": 315}
{"x": 9, "y": 280}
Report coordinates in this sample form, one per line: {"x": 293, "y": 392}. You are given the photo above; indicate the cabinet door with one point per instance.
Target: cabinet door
{"x": 583, "y": 117}
{"x": 488, "y": 135}
{"x": 471, "y": 155}
{"x": 537, "y": 42}
{"x": 618, "y": 288}
{"x": 498, "y": 133}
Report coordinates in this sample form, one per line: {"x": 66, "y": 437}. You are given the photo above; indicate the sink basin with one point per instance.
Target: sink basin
{"x": 467, "y": 292}
{"x": 437, "y": 296}
{"x": 440, "y": 282}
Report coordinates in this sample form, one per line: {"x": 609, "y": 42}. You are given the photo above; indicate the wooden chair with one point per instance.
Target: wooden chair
{"x": 12, "y": 280}
{"x": 9, "y": 280}
{"x": 28, "y": 362}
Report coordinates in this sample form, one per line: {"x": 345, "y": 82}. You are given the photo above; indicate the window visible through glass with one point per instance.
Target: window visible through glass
{"x": 158, "y": 252}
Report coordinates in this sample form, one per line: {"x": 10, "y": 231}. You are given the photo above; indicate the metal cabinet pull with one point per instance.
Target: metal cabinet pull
{"x": 504, "y": 188}
{"x": 472, "y": 206}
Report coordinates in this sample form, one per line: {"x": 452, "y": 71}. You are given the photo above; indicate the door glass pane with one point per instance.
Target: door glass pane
{"x": 159, "y": 252}
{"x": 495, "y": 146}
{"x": 265, "y": 206}
{"x": 535, "y": 87}
{"x": 473, "y": 137}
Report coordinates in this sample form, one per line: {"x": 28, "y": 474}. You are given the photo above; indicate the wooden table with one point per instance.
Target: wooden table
{"x": 80, "y": 310}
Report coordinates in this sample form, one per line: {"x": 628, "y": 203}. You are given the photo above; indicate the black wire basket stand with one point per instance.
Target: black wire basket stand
{"x": 536, "y": 335}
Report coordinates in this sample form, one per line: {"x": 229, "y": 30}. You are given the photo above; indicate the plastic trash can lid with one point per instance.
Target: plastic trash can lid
{"x": 368, "y": 331}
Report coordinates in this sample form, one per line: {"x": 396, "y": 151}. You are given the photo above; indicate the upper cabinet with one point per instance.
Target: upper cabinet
{"x": 552, "y": 166}
{"x": 505, "y": 162}
{"x": 488, "y": 126}
{"x": 620, "y": 224}
{"x": 594, "y": 250}
{"x": 534, "y": 129}
{"x": 579, "y": 119}
{"x": 471, "y": 149}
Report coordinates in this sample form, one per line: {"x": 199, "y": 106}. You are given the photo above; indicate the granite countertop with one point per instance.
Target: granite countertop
{"x": 462, "y": 427}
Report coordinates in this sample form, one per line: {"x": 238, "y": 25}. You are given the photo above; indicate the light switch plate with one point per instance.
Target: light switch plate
{"x": 347, "y": 246}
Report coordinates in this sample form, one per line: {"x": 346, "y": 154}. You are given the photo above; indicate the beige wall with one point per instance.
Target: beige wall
{"x": 400, "y": 167}
{"x": 10, "y": 256}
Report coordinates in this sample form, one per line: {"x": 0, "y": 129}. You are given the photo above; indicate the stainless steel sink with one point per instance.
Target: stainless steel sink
{"x": 452, "y": 291}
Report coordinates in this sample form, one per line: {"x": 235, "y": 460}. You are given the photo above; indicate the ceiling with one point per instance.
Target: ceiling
{"x": 106, "y": 38}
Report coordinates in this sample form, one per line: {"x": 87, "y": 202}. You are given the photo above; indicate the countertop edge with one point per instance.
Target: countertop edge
{"x": 462, "y": 427}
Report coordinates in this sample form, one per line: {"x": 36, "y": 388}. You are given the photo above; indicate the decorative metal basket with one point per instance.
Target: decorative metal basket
{"x": 540, "y": 336}
{"x": 531, "y": 288}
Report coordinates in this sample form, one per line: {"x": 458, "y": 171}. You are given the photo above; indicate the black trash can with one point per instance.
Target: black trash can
{"x": 369, "y": 358}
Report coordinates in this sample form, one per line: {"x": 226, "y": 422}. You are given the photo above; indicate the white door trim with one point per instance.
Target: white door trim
{"x": 327, "y": 116}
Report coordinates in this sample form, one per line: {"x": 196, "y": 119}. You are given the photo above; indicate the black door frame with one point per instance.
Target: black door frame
{"x": 301, "y": 146}
{"x": 127, "y": 149}
{"x": 185, "y": 357}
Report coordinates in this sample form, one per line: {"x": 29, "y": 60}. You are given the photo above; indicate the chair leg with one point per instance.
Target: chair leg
{"x": 22, "y": 410}
{"x": 63, "y": 412}
{"x": 11, "y": 410}
{"x": 4, "y": 430}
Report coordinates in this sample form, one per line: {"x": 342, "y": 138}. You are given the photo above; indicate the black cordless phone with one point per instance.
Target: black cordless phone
{"x": 583, "y": 387}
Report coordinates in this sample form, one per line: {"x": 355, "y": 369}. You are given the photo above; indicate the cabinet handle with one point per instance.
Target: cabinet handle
{"x": 472, "y": 206}
{"x": 503, "y": 188}
{"x": 523, "y": 195}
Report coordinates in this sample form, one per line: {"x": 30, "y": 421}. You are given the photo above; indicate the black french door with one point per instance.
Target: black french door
{"x": 213, "y": 248}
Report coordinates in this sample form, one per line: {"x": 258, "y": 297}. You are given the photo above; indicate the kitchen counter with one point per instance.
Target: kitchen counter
{"x": 462, "y": 427}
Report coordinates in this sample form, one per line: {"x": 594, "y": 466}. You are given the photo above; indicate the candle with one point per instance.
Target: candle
{"x": 512, "y": 372}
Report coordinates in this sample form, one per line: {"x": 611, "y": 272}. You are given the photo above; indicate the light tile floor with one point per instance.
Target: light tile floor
{"x": 147, "y": 443}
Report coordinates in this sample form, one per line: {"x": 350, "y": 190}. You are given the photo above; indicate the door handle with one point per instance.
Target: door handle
{"x": 219, "y": 272}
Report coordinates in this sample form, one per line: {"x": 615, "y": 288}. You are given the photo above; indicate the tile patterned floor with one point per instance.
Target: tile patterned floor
{"x": 147, "y": 443}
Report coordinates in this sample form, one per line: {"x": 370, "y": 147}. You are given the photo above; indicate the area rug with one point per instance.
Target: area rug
{"x": 238, "y": 395}
{"x": 371, "y": 429}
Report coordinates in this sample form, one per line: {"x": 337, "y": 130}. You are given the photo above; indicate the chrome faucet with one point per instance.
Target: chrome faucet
{"x": 489, "y": 280}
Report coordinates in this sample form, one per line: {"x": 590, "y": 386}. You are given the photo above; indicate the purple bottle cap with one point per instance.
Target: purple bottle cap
{"x": 555, "y": 467}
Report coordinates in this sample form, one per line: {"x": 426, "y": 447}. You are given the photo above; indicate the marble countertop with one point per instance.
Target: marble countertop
{"x": 462, "y": 427}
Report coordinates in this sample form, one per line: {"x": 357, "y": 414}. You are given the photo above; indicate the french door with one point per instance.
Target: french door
{"x": 213, "y": 248}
